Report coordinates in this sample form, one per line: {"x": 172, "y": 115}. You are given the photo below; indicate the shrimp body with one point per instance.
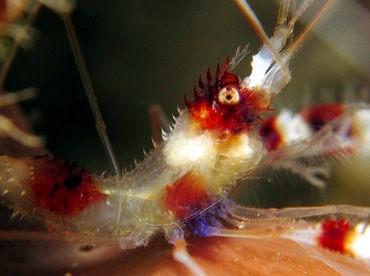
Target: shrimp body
{"x": 218, "y": 141}
{"x": 213, "y": 146}
{"x": 190, "y": 171}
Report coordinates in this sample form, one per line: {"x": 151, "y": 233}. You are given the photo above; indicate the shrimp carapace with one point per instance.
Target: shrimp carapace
{"x": 225, "y": 104}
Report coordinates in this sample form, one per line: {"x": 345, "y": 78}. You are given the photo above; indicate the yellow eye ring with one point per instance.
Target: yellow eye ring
{"x": 228, "y": 96}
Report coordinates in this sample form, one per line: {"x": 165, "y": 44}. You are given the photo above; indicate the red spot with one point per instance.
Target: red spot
{"x": 271, "y": 138}
{"x": 63, "y": 188}
{"x": 334, "y": 234}
{"x": 318, "y": 116}
{"x": 186, "y": 196}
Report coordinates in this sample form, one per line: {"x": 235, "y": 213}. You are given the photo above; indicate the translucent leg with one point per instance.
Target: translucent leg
{"x": 312, "y": 174}
{"x": 181, "y": 255}
{"x": 312, "y": 226}
{"x": 245, "y": 214}
{"x": 335, "y": 235}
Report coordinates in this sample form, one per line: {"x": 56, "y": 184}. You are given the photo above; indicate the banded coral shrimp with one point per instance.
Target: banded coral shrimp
{"x": 258, "y": 242}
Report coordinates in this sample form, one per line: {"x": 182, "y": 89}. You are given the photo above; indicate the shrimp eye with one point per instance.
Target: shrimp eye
{"x": 228, "y": 96}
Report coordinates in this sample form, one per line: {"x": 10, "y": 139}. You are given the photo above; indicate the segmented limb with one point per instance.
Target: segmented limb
{"x": 100, "y": 125}
{"x": 312, "y": 174}
{"x": 313, "y": 227}
{"x": 315, "y": 141}
{"x": 245, "y": 214}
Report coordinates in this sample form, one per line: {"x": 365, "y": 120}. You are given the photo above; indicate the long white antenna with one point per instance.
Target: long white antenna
{"x": 80, "y": 62}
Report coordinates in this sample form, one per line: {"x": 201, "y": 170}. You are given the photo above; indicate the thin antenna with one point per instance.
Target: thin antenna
{"x": 80, "y": 62}
{"x": 308, "y": 30}
{"x": 257, "y": 26}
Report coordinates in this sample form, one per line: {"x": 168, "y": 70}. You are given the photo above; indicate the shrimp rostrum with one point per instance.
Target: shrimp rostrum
{"x": 221, "y": 139}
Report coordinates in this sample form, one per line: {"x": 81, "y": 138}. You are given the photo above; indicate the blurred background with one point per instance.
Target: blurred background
{"x": 144, "y": 52}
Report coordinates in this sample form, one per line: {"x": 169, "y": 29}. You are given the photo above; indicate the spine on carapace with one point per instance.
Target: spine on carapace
{"x": 15, "y": 177}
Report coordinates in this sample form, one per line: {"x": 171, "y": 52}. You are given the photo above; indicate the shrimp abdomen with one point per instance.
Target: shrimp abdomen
{"x": 47, "y": 184}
